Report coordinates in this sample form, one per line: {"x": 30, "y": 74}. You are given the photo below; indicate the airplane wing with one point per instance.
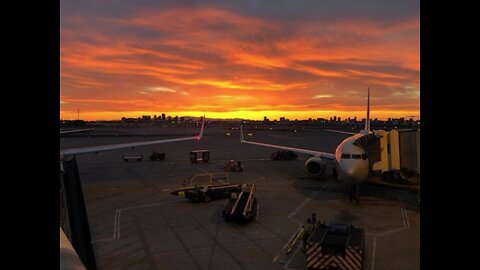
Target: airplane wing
{"x": 96, "y": 149}
{"x": 339, "y": 131}
{"x": 298, "y": 150}
{"x": 75, "y": 130}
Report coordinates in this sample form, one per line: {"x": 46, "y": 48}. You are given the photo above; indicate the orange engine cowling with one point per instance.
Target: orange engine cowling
{"x": 315, "y": 166}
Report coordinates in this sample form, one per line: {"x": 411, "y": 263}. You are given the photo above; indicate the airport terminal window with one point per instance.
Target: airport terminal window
{"x": 345, "y": 155}
{"x": 356, "y": 156}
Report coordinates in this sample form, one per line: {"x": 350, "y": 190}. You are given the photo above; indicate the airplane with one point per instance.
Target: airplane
{"x": 97, "y": 149}
{"x": 75, "y": 130}
{"x": 352, "y": 157}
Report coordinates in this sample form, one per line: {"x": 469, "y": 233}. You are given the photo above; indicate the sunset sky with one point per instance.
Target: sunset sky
{"x": 245, "y": 59}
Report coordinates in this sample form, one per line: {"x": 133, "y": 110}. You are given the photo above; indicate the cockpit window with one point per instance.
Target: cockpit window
{"x": 356, "y": 156}
{"x": 364, "y": 156}
{"x": 345, "y": 155}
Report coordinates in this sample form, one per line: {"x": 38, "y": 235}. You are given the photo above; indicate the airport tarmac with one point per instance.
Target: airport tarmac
{"x": 136, "y": 224}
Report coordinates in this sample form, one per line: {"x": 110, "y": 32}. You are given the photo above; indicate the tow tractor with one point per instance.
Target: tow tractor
{"x": 205, "y": 187}
{"x": 284, "y": 155}
{"x": 243, "y": 205}
{"x": 233, "y": 166}
{"x": 137, "y": 158}
{"x": 157, "y": 156}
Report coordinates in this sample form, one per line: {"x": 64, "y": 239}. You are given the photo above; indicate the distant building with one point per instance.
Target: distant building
{"x": 163, "y": 116}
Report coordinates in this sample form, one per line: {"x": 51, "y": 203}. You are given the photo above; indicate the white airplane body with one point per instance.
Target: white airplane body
{"x": 350, "y": 160}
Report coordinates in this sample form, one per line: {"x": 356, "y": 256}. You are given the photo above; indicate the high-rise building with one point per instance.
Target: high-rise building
{"x": 163, "y": 116}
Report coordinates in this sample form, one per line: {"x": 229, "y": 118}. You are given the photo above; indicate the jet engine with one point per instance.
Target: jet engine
{"x": 315, "y": 166}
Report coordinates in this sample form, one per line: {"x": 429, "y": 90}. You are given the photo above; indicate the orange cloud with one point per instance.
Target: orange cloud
{"x": 215, "y": 61}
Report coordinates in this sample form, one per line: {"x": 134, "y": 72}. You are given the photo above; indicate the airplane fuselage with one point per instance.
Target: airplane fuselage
{"x": 351, "y": 161}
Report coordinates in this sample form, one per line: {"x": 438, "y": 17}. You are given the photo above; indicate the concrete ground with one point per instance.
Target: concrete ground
{"x": 136, "y": 223}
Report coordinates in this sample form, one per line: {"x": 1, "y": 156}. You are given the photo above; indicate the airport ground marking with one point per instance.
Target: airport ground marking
{"x": 291, "y": 258}
{"x": 118, "y": 213}
{"x": 373, "y": 252}
{"x": 312, "y": 196}
{"x": 406, "y": 226}
{"x": 406, "y": 222}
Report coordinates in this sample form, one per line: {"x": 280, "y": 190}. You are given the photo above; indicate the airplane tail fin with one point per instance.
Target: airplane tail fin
{"x": 201, "y": 129}
{"x": 367, "y": 121}
{"x": 241, "y": 134}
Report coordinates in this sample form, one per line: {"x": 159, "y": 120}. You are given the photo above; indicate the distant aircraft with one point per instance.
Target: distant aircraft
{"x": 96, "y": 149}
{"x": 351, "y": 158}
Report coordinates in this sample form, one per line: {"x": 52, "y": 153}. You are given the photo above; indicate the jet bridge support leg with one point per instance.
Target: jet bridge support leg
{"x": 77, "y": 213}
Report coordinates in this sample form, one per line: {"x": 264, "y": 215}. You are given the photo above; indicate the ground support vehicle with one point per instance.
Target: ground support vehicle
{"x": 137, "y": 158}
{"x": 233, "y": 166}
{"x": 336, "y": 246}
{"x": 199, "y": 156}
{"x": 157, "y": 156}
{"x": 206, "y": 187}
{"x": 284, "y": 155}
{"x": 242, "y": 205}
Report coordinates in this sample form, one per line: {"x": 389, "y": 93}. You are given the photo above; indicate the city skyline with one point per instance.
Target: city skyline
{"x": 242, "y": 59}
{"x": 166, "y": 117}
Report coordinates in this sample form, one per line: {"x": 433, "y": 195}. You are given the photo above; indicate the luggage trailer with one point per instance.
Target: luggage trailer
{"x": 242, "y": 205}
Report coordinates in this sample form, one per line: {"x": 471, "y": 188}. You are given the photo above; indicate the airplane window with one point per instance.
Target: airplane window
{"x": 364, "y": 156}
{"x": 356, "y": 156}
{"x": 345, "y": 155}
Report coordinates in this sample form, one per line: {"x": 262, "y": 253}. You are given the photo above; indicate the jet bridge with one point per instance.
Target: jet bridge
{"x": 400, "y": 153}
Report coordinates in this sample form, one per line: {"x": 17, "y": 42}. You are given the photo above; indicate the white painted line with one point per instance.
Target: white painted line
{"x": 392, "y": 231}
{"x": 115, "y": 221}
{"x": 303, "y": 203}
{"x": 151, "y": 204}
{"x": 373, "y": 252}
{"x": 406, "y": 222}
{"x": 118, "y": 227}
{"x": 293, "y": 256}
{"x": 118, "y": 213}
